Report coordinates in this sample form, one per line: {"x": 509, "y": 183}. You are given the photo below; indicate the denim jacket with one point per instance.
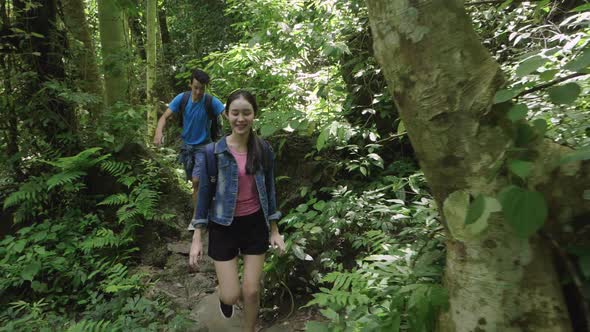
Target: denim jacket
{"x": 221, "y": 209}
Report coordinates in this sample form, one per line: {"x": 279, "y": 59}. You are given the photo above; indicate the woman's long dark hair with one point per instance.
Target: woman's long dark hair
{"x": 255, "y": 159}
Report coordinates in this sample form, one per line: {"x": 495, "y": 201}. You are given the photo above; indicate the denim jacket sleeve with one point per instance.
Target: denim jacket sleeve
{"x": 201, "y": 217}
{"x": 273, "y": 214}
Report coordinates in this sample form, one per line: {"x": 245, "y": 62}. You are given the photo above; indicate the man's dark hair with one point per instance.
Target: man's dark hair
{"x": 200, "y": 76}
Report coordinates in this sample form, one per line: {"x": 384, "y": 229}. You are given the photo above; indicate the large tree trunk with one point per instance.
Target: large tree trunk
{"x": 443, "y": 81}
{"x": 44, "y": 55}
{"x": 152, "y": 110}
{"x": 84, "y": 59}
{"x": 114, "y": 51}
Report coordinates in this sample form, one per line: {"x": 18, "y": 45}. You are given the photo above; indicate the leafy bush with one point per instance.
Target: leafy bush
{"x": 72, "y": 256}
{"x": 374, "y": 258}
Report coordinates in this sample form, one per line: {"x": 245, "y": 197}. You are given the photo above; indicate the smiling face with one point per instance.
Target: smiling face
{"x": 240, "y": 115}
{"x": 198, "y": 90}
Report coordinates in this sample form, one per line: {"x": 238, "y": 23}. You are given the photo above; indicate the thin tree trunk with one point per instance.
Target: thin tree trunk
{"x": 137, "y": 37}
{"x": 166, "y": 54}
{"x": 443, "y": 81}
{"x": 114, "y": 51}
{"x": 85, "y": 61}
{"x": 165, "y": 34}
{"x": 152, "y": 112}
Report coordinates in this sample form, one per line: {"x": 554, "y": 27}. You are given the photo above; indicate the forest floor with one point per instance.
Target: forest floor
{"x": 165, "y": 253}
{"x": 196, "y": 292}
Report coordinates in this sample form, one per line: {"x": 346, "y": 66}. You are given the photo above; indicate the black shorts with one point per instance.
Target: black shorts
{"x": 247, "y": 235}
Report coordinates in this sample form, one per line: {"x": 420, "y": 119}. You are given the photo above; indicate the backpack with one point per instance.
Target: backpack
{"x": 215, "y": 126}
{"x": 211, "y": 164}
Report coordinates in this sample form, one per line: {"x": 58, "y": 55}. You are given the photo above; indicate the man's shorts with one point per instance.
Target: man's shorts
{"x": 247, "y": 235}
{"x": 188, "y": 159}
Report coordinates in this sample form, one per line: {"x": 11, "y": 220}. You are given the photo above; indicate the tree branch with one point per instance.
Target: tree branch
{"x": 489, "y": 2}
{"x": 476, "y": 3}
{"x": 548, "y": 84}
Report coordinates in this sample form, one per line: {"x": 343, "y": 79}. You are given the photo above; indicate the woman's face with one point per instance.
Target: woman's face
{"x": 240, "y": 116}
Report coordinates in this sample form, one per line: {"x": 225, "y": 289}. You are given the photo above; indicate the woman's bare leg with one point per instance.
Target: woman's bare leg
{"x": 229, "y": 282}
{"x": 253, "y": 265}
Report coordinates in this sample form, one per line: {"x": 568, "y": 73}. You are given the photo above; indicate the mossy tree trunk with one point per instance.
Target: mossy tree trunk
{"x": 114, "y": 51}
{"x": 152, "y": 110}
{"x": 443, "y": 81}
{"x": 74, "y": 16}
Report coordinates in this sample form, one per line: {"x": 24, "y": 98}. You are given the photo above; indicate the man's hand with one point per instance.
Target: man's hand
{"x": 158, "y": 138}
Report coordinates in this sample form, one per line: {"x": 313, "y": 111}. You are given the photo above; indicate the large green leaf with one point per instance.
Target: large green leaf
{"x": 530, "y": 65}
{"x": 564, "y": 94}
{"x": 517, "y": 112}
{"x": 524, "y": 210}
{"x": 30, "y": 270}
{"x": 582, "y": 61}
{"x": 322, "y": 139}
{"x": 520, "y": 168}
{"x": 504, "y": 95}
{"x": 267, "y": 130}
{"x": 582, "y": 154}
{"x": 315, "y": 326}
{"x": 475, "y": 209}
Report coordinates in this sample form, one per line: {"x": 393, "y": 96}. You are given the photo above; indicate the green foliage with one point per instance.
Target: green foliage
{"x": 66, "y": 261}
{"x": 524, "y": 210}
{"x": 373, "y": 257}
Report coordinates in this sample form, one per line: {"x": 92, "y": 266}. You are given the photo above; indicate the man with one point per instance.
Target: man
{"x": 195, "y": 125}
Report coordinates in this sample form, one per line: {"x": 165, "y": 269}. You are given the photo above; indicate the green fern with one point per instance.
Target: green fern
{"x": 114, "y": 168}
{"x": 91, "y": 326}
{"x": 116, "y": 199}
{"x": 31, "y": 191}
{"x": 63, "y": 178}
{"x": 127, "y": 213}
{"x": 103, "y": 238}
{"x": 82, "y": 160}
{"x": 146, "y": 201}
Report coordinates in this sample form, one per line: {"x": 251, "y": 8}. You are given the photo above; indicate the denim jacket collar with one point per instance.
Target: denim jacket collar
{"x": 221, "y": 145}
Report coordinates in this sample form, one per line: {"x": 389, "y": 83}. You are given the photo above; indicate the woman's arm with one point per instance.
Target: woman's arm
{"x": 200, "y": 218}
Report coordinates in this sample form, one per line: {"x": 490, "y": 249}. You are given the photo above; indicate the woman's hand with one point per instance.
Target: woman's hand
{"x": 277, "y": 242}
{"x": 196, "y": 252}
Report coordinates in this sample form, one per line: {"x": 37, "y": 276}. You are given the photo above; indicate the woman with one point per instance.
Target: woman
{"x": 241, "y": 208}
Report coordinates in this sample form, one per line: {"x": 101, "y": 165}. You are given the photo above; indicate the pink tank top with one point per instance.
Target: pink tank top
{"x": 248, "y": 201}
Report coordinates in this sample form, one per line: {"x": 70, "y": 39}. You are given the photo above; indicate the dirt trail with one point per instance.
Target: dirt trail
{"x": 196, "y": 292}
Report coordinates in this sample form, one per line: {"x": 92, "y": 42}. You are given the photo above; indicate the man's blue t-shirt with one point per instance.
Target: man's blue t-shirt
{"x": 196, "y": 124}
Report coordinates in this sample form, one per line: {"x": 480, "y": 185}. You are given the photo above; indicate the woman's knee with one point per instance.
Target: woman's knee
{"x": 250, "y": 291}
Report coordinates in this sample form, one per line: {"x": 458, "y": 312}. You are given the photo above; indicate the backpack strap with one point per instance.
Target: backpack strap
{"x": 211, "y": 165}
{"x": 208, "y": 108}
{"x": 183, "y": 102}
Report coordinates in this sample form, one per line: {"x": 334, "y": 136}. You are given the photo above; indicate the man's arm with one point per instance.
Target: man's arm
{"x": 161, "y": 125}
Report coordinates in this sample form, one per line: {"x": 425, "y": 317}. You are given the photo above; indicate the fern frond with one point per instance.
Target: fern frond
{"x": 30, "y": 191}
{"x": 62, "y": 178}
{"x": 103, "y": 238}
{"x": 126, "y": 213}
{"x": 91, "y": 326}
{"x": 116, "y": 199}
{"x": 82, "y": 160}
{"x": 145, "y": 201}
{"x": 114, "y": 168}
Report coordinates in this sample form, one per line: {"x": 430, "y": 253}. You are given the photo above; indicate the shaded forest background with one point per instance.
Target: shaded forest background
{"x": 87, "y": 201}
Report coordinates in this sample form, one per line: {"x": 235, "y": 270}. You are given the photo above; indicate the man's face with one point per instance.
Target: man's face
{"x": 198, "y": 90}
